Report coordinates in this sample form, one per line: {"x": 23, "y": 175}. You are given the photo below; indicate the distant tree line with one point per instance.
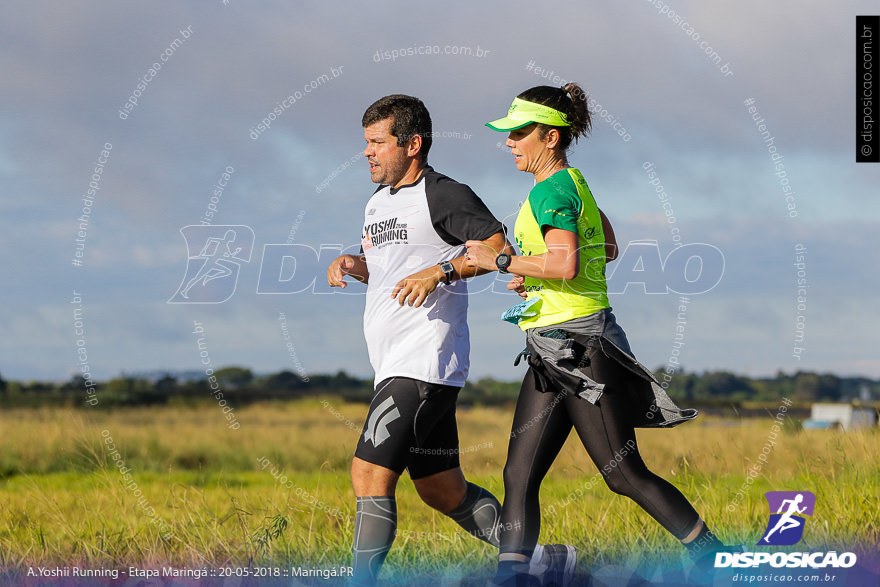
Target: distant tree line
{"x": 239, "y": 386}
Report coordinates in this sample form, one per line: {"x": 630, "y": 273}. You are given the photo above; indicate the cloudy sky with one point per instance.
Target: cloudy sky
{"x": 670, "y": 84}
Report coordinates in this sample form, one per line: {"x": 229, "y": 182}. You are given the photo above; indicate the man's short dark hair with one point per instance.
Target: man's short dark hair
{"x": 409, "y": 117}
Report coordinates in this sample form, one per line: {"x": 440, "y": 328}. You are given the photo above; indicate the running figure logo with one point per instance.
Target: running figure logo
{"x": 214, "y": 258}
{"x": 786, "y": 526}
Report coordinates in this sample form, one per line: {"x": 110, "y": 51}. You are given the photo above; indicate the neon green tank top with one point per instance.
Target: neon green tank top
{"x": 564, "y": 201}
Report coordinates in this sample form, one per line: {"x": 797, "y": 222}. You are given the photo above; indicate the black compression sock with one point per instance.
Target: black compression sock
{"x": 479, "y": 513}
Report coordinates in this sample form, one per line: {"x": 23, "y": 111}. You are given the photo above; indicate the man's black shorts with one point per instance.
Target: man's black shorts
{"x": 411, "y": 425}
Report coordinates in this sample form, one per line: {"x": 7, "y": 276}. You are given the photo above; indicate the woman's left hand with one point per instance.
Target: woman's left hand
{"x": 480, "y": 255}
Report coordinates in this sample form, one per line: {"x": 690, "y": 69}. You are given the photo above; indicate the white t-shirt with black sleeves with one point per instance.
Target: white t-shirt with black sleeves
{"x": 406, "y": 230}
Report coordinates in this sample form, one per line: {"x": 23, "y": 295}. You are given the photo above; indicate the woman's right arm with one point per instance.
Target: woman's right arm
{"x": 561, "y": 261}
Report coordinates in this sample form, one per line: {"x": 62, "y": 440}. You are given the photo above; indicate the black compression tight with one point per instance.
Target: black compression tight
{"x": 541, "y": 424}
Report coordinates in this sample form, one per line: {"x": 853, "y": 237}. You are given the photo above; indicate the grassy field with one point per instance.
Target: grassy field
{"x": 176, "y": 485}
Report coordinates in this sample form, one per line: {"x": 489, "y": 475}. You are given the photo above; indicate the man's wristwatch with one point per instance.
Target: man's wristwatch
{"x": 447, "y": 268}
{"x": 502, "y": 261}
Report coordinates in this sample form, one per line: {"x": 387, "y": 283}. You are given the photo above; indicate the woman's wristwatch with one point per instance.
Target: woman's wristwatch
{"x": 502, "y": 261}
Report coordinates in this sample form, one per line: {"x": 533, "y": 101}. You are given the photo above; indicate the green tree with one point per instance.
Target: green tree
{"x": 130, "y": 390}
{"x": 166, "y": 385}
{"x": 74, "y": 384}
{"x": 284, "y": 380}
{"x": 234, "y": 377}
{"x": 722, "y": 384}
{"x": 815, "y": 387}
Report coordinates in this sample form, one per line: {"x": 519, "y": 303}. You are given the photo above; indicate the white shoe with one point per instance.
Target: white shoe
{"x": 536, "y": 566}
{"x": 553, "y": 564}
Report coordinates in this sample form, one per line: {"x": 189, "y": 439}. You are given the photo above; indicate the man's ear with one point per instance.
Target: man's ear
{"x": 414, "y": 146}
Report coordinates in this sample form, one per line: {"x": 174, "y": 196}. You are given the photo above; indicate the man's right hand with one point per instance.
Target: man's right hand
{"x": 342, "y": 266}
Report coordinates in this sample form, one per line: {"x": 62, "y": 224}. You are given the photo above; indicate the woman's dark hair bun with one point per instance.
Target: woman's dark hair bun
{"x": 571, "y": 100}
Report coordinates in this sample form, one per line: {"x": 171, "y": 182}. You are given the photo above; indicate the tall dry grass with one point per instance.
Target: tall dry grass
{"x": 276, "y": 491}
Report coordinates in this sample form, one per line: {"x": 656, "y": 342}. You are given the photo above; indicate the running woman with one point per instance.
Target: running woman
{"x": 582, "y": 373}
{"x": 415, "y": 324}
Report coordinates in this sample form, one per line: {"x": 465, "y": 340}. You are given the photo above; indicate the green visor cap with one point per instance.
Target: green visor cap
{"x": 523, "y": 113}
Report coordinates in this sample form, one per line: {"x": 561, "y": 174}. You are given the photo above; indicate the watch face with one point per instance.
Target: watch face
{"x": 447, "y": 268}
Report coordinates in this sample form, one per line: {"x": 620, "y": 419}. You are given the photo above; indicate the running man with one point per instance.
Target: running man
{"x": 216, "y": 263}
{"x": 787, "y": 522}
{"x": 415, "y": 324}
